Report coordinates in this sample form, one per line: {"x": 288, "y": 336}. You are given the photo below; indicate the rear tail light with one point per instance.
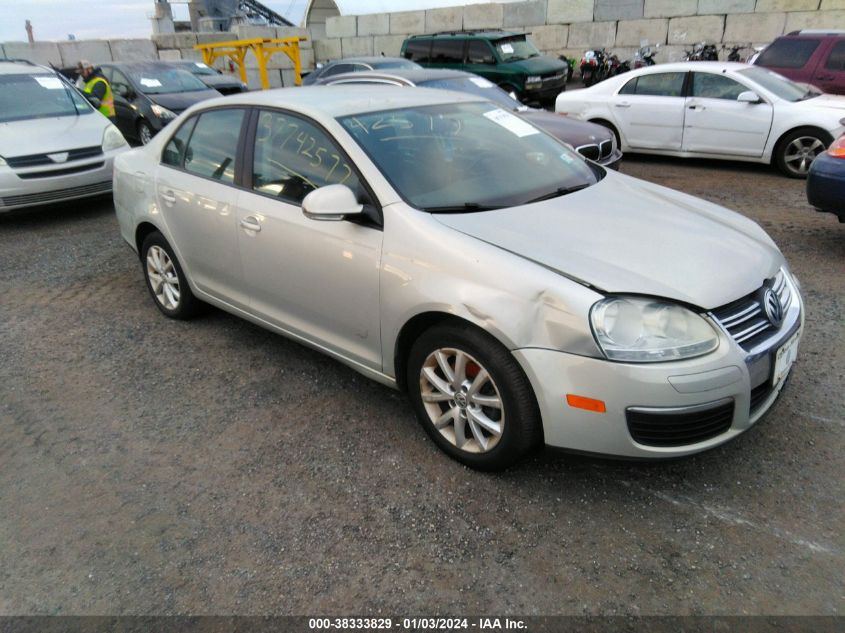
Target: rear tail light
{"x": 838, "y": 148}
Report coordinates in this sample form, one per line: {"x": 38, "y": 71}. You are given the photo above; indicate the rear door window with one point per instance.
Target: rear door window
{"x": 656, "y": 85}
{"x": 448, "y": 51}
{"x": 788, "y": 53}
{"x": 214, "y": 144}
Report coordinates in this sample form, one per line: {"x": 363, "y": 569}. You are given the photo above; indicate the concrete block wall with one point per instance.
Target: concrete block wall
{"x": 556, "y": 27}
{"x": 571, "y": 26}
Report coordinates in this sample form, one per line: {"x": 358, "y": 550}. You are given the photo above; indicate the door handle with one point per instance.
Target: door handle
{"x": 169, "y": 197}
{"x": 825, "y": 77}
{"x": 696, "y": 107}
{"x": 250, "y": 223}
{"x": 623, "y": 104}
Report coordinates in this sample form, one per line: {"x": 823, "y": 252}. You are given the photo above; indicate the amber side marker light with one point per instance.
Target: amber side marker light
{"x": 581, "y": 402}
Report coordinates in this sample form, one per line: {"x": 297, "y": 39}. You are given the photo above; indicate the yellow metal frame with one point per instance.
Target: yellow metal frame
{"x": 262, "y": 47}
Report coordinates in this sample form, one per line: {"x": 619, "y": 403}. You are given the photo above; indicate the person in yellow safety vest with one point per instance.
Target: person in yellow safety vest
{"x": 97, "y": 86}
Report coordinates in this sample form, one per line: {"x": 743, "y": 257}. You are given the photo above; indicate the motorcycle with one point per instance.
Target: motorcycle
{"x": 593, "y": 66}
{"x": 645, "y": 56}
{"x": 570, "y": 63}
{"x": 702, "y": 52}
{"x": 617, "y": 66}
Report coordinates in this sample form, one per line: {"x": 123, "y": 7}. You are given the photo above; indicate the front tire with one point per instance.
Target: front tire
{"x": 797, "y": 150}
{"x": 165, "y": 279}
{"x": 472, "y": 397}
{"x": 145, "y": 132}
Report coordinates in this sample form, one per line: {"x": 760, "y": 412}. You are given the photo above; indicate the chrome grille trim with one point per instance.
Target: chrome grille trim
{"x": 606, "y": 148}
{"x": 745, "y": 320}
{"x": 591, "y": 151}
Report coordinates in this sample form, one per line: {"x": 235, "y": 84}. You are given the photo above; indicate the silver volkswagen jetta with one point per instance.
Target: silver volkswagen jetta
{"x": 439, "y": 244}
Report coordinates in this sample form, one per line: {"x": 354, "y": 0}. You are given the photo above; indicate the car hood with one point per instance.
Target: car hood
{"x": 571, "y": 131}
{"x": 540, "y": 65}
{"x": 178, "y": 101}
{"x": 835, "y": 102}
{"x": 45, "y": 136}
{"x": 624, "y": 235}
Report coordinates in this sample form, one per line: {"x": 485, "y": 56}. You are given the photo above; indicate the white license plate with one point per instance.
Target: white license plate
{"x": 784, "y": 358}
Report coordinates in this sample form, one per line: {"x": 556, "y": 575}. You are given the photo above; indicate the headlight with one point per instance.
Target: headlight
{"x": 533, "y": 79}
{"x": 112, "y": 138}
{"x": 639, "y": 330}
{"x": 162, "y": 113}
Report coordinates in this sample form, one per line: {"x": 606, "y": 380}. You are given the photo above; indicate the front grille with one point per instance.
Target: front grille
{"x": 60, "y": 172}
{"x": 36, "y": 160}
{"x": 606, "y": 148}
{"x": 679, "y": 428}
{"x": 53, "y": 196}
{"x": 745, "y": 319}
{"x": 590, "y": 151}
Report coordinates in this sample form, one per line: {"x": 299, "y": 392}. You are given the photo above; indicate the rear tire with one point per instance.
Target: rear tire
{"x": 472, "y": 397}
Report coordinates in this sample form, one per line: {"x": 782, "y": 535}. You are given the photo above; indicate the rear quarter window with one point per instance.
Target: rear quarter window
{"x": 836, "y": 59}
{"x": 418, "y": 50}
{"x": 788, "y": 53}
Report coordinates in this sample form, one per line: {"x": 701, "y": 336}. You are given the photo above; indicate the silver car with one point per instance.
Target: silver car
{"x": 441, "y": 245}
{"x": 53, "y": 145}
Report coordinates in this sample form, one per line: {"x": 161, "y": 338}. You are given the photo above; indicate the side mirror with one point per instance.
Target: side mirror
{"x": 331, "y": 203}
{"x": 749, "y": 96}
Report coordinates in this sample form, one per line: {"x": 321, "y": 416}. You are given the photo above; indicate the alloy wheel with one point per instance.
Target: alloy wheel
{"x": 800, "y": 153}
{"x": 462, "y": 400}
{"x": 163, "y": 278}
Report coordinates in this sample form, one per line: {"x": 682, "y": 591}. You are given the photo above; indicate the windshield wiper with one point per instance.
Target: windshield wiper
{"x": 809, "y": 95}
{"x": 560, "y": 191}
{"x": 466, "y": 207}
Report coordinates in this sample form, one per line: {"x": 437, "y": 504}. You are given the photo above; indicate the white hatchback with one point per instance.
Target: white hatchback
{"x": 53, "y": 145}
{"x": 713, "y": 110}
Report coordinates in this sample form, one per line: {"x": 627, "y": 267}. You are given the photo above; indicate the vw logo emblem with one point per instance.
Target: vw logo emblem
{"x": 772, "y": 307}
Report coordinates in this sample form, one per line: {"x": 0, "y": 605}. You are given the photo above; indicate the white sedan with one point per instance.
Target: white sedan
{"x": 713, "y": 110}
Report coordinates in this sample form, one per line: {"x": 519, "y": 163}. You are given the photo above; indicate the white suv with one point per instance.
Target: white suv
{"x": 53, "y": 145}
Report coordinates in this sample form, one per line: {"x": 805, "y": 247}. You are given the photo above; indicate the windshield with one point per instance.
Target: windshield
{"x": 38, "y": 97}
{"x": 477, "y": 86}
{"x": 153, "y": 81}
{"x": 198, "y": 68}
{"x": 779, "y": 85}
{"x": 512, "y": 50}
{"x": 465, "y": 157}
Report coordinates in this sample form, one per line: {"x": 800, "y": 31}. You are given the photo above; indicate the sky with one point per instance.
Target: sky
{"x": 103, "y": 19}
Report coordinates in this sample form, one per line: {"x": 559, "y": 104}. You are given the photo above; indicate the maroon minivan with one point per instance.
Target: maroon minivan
{"x": 814, "y": 57}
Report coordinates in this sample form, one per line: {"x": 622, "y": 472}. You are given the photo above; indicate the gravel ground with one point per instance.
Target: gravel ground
{"x": 155, "y": 467}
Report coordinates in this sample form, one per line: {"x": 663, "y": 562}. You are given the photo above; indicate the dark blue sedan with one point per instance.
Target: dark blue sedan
{"x": 826, "y": 180}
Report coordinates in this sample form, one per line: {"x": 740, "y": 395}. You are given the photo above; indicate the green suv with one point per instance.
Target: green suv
{"x": 507, "y": 59}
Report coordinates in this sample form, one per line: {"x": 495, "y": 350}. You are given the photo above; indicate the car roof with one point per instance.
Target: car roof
{"x": 372, "y": 59}
{"x": 413, "y": 75}
{"x": 22, "y": 67}
{"x": 687, "y": 66}
{"x": 146, "y": 65}
{"x": 343, "y": 100}
{"x": 490, "y": 34}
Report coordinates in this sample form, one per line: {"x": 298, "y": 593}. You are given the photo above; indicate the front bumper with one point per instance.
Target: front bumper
{"x": 613, "y": 161}
{"x": 35, "y": 186}
{"x": 729, "y": 381}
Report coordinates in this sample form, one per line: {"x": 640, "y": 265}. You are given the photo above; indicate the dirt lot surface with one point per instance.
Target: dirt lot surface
{"x": 155, "y": 467}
